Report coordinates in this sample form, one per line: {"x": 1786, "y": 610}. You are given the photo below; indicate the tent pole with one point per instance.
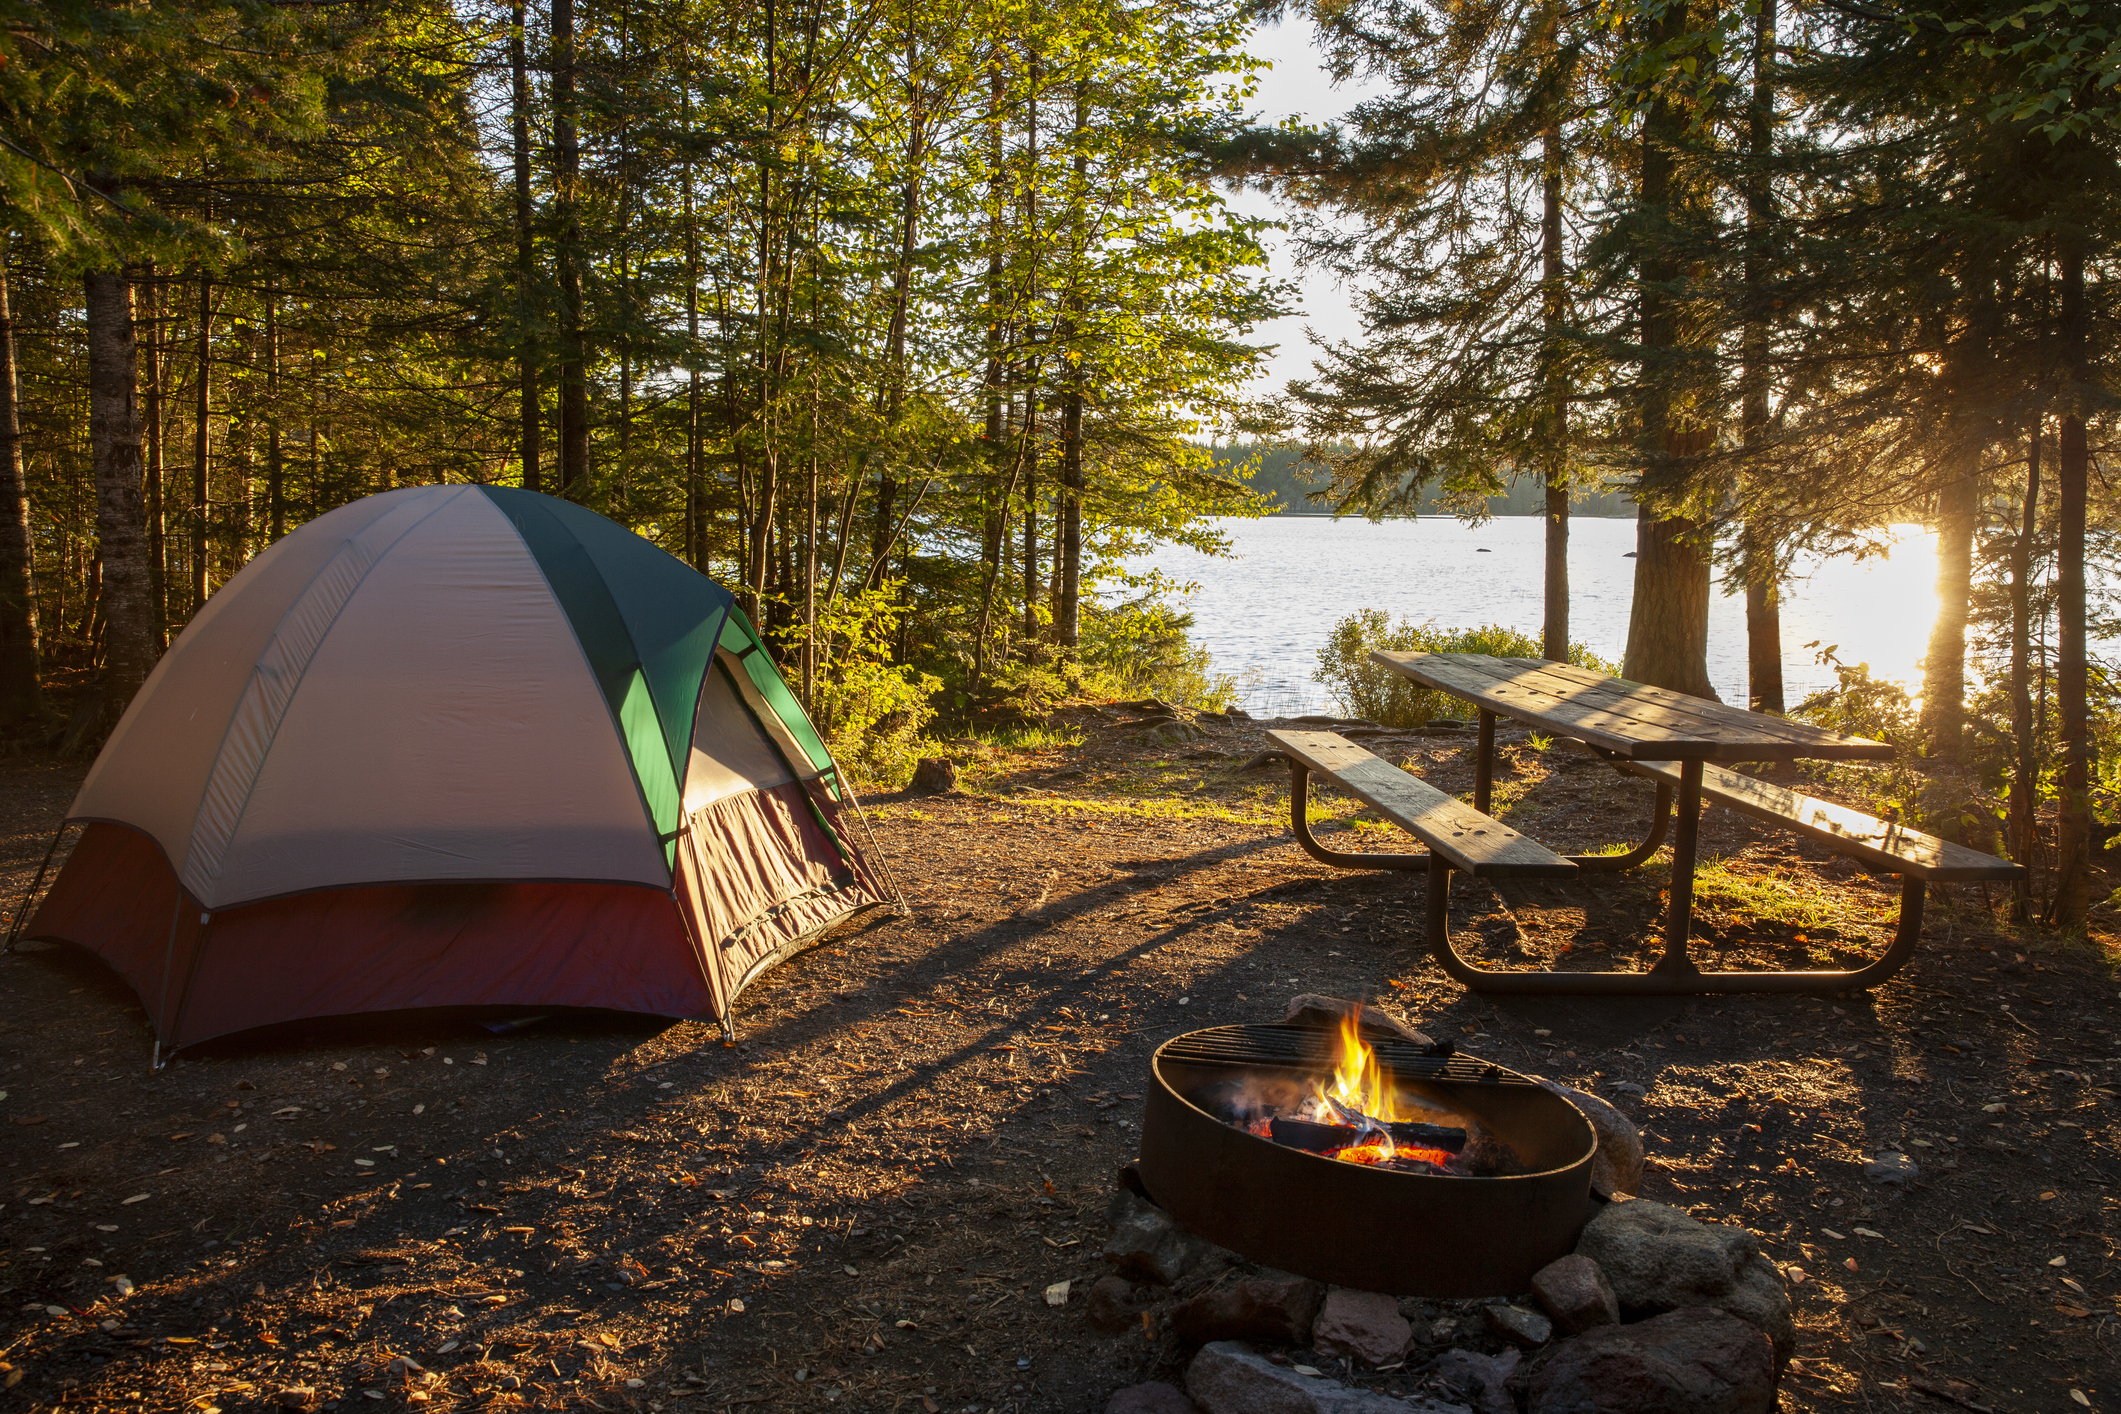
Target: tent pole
{"x": 191, "y": 969}
{"x": 14, "y": 924}
{"x": 869, "y": 832}
{"x": 169, "y": 953}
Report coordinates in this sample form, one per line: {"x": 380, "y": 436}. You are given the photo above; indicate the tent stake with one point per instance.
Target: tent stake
{"x": 14, "y": 924}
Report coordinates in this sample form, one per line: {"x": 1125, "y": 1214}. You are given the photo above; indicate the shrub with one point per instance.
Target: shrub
{"x": 1139, "y": 648}
{"x": 870, "y": 709}
{"x": 1365, "y": 689}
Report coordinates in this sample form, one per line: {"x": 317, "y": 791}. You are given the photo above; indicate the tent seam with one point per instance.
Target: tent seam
{"x": 633, "y": 649}
{"x": 250, "y": 790}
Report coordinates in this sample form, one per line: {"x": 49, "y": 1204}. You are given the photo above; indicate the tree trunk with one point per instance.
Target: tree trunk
{"x": 202, "y": 415}
{"x": 695, "y": 529}
{"x": 1554, "y": 643}
{"x": 2073, "y": 465}
{"x": 883, "y": 526}
{"x": 1763, "y": 631}
{"x": 1068, "y": 602}
{"x": 21, "y": 699}
{"x": 157, "y": 373}
{"x": 1668, "y": 622}
{"x": 121, "y": 541}
{"x": 2025, "y": 779}
{"x": 530, "y": 432}
{"x": 1760, "y": 563}
{"x": 1068, "y": 617}
{"x": 567, "y": 171}
{"x": 1944, "y": 670}
{"x": 275, "y": 458}
{"x": 1031, "y": 560}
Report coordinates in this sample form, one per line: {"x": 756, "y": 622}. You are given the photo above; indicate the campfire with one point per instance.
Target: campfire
{"x": 1360, "y": 1114}
{"x": 1278, "y": 1141}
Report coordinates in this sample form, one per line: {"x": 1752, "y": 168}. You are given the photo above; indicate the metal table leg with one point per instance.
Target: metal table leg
{"x": 1679, "y": 915}
{"x": 1484, "y": 764}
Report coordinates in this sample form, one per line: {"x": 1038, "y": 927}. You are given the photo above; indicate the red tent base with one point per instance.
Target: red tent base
{"x": 394, "y": 947}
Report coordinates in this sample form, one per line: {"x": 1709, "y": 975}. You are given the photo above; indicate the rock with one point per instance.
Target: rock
{"x": 936, "y": 775}
{"x": 1660, "y": 1259}
{"x": 1690, "y": 1361}
{"x": 1574, "y": 1291}
{"x": 1896, "y": 1170}
{"x": 295, "y": 1397}
{"x": 1155, "y": 1397}
{"x": 1230, "y": 1378}
{"x": 1761, "y": 1298}
{"x": 1617, "y": 1167}
{"x": 1260, "y": 760}
{"x": 1479, "y": 1379}
{"x": 1310, "y": 1009}
{"x": 1276, "y": 1310}
{"x": 1147, "y": 1244}
{"x": 1361, "y": 1325}
{"x": 1113, "y": 1306}
{"x": 1515, "y": 1323}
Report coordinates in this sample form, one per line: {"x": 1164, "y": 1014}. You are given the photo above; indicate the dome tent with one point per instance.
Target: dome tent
{"x": 450, "y": 746}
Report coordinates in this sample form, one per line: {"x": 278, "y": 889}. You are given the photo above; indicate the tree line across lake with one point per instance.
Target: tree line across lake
{"x": 913, "y": 322}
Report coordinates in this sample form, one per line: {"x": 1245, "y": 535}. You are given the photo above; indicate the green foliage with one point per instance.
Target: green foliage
{"x": 1863, "y": 704}
{"x": 870, "y": 709}
{"x": 1139, "y": 648}
{"x": 1365, "y": 689}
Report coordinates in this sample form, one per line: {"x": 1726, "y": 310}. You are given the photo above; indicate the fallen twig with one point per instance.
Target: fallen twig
{"x": 1940, "y": 1392}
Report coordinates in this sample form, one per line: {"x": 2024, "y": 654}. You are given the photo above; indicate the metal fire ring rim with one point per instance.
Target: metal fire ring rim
{"x": 1156, "y": 1069}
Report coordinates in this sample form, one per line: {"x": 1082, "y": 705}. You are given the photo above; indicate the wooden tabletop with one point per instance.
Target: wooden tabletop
{"x": 1629, "y": 719}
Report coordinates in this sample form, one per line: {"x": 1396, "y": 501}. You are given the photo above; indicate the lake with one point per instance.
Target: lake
{"x": 1263, "y": 614}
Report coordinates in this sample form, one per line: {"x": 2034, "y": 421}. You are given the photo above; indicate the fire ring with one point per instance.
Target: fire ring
{"x": 1357, "y": 1224}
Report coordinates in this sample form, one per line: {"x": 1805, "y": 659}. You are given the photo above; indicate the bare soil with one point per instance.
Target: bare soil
{"x": 862, "y": 1205}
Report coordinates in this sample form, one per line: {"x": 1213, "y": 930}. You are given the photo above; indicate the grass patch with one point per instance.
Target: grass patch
{"x": 1770, "y": 898}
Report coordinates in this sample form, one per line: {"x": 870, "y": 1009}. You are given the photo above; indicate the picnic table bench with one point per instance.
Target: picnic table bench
{"x": 1665, "y": 737}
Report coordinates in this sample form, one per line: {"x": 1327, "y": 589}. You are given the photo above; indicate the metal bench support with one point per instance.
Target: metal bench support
{"x": 1674, "y": 975}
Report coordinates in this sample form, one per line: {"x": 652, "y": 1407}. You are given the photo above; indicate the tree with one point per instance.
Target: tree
{"x": 1447, "y": 202}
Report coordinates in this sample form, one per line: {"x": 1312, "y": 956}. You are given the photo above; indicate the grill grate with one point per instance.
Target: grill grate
{"x": 1310, "y": 1048}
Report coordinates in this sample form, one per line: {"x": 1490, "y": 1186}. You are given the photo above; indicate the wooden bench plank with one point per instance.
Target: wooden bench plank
{"x": 1628, "y": 719}
{"x": 1474, "y": 843}
{"x": 1882, "y": 843}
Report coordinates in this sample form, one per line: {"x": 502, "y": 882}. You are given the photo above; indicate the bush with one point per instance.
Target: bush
{"x": 1140, "y": 648}
{"x": 870, "y": 710}
{"x": 1365, "y": 689}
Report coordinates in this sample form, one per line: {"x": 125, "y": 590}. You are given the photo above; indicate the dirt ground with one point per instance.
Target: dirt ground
{"x": 862, "y": 1205}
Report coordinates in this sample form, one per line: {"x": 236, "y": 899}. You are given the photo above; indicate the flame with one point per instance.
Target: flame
{"x": 1362, "y": 1088}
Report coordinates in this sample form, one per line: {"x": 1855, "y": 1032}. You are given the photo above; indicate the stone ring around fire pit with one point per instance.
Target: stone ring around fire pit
{"x": 1449, "y": 1176}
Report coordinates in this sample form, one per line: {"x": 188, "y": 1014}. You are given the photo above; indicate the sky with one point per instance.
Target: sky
{"x": 1295, "y": 85}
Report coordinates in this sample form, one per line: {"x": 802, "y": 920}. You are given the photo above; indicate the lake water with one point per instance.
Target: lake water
{"x": 1263, "y": 614}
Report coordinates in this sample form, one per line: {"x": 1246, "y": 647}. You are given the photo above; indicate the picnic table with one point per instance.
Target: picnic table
{"x": 1676, "y": 741}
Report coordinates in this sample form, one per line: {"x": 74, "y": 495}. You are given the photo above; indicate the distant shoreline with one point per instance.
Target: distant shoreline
{"x": 1433, "y": 515}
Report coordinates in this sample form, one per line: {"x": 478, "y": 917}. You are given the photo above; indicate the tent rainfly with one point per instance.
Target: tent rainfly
{"x": 456, "y": 746}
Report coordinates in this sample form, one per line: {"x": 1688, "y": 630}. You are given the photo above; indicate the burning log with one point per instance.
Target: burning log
{"x": 1359, "y": 1115}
